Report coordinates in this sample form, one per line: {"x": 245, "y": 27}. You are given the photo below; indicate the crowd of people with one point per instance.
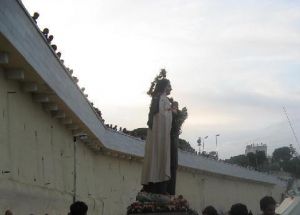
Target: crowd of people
{"x": 267, "y": 206}
{"x": 77, "y": 208}
{"x": 49, "y": 38}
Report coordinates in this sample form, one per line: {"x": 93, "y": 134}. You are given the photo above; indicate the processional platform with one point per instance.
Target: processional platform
{"x": 156, "y": 204}
{"x": 163, "y": 213}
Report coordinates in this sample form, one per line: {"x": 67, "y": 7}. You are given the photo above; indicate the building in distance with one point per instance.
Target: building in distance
{"x": 256, "y": 148}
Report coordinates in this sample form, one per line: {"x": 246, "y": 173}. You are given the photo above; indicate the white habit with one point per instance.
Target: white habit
{"x": 157, "y": 156}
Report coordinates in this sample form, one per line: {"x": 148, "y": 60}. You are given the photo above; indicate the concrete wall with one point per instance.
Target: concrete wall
{"x": 38, "y": 152}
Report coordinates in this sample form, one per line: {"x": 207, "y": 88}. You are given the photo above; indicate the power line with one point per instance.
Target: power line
{"x": 291, "y": 125}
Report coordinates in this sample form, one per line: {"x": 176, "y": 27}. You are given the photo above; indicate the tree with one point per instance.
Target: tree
{"x": 293, "y": 150}
{"x": 241, "y": 160}
{"x": 139, "y": 132}
{"x": 292, "y": 166}
{"x": 252, "y": 159}
{"x": 273, "y": 167}
{"x": 260, "y": 158}
{"x": 282, "y": 154}
{"x": 185, "y": 145}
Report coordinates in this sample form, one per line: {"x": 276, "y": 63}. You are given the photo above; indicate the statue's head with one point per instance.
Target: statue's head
{"x": 160, "y": 85}
{"x": 163, "y": 86}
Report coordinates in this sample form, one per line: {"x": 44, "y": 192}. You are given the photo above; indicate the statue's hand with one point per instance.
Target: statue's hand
{"x": 174, "y": 110}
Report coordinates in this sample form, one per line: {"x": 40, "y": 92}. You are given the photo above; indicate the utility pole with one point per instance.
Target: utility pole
{"x": 81, "y": 136}
{"x": 291, "y": 126}
{"x": 74, "y": 170}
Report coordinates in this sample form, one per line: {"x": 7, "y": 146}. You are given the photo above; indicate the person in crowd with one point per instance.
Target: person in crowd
{"x": 268, "y": 205}
{"x": 54, "y": 47}
{"x": 99, "y": 113}
{"x": 78, "y": 208}
{"x": 8, "y": 212}
{"x": 35, "y": 16}
{"x": 209, "y": 210}
{"x": 45, "y": 32}
{"x": 238, "y": 209}
{"x": 49, "y": 39}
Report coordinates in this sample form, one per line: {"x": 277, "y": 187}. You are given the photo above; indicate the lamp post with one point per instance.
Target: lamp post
{"x": 217, "y": 135}
{"x": 203, "y": 143}
{"x": 199, "y": 144}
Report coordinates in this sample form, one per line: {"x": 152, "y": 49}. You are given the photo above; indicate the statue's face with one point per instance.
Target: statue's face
{"x": 168, "y": 89}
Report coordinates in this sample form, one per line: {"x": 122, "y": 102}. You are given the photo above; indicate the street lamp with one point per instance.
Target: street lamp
{"x": 217, "y": 135}
{"x": 199, "y": 144}
{"x": 201, "y": 140}
{"x": 203, "y": 143}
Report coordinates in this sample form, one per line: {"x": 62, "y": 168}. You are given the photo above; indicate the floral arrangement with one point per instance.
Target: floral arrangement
{"x": 176, "y": 204}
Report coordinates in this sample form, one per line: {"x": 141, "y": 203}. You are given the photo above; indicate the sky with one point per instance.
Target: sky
{"x": 233, "y": 64}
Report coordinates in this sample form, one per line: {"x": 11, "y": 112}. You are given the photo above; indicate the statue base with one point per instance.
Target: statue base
{"x": 157, "y": 204}
{"x": 163, "y": 213}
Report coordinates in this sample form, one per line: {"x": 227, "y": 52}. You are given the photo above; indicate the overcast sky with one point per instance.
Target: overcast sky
{"x": 233, "y": 64}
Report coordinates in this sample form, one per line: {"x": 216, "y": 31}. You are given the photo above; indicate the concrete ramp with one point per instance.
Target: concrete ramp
{"x": 290, "y": 206}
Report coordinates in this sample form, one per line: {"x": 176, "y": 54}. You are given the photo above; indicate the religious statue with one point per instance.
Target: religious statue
{"x": 161, "y": 154}
{"x": 160, "y": 159}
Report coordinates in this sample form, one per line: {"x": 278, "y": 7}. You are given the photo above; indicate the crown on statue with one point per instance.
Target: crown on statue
{"x": 162, "y": 75}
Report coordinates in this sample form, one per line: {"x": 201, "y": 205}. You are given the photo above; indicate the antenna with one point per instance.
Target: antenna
{"x": 291, "y": 126}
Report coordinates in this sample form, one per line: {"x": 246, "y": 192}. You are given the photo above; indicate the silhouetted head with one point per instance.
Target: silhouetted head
{"x": 50, "y": 38}
{"x": 268, "y": 205}
{"x": 78, "y": 208}
{"x": 46, "y": 31}
{"x": 8, "y": 212}
{"x": 35, "y": 16}
{"x": 209, "y": 210}
{"x": 162, "y": 86}
{"x": 54, "y": 47}
{"x": 238, "y": 209}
